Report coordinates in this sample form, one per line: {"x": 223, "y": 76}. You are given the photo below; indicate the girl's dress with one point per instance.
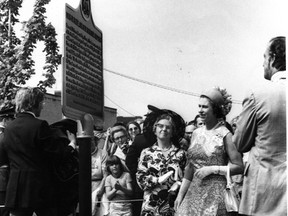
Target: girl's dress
{"x": 152, "y": 165}
{"x": 119, "y": 206}
{"x": 205, "y": 197}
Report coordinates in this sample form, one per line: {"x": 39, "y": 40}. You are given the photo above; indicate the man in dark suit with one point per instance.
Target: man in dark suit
{"x": 261, "y": 131}
{"x": 6, "y": 116}
{"x": 30, "y": 152}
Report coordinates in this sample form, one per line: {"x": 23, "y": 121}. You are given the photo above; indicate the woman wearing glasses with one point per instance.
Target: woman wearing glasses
{"x": 160, "y": 169}
{"x": 133, "y": 129}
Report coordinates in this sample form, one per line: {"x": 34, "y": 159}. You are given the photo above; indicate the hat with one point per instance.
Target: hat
{"x": 214, "y": 95}
{"x": 66, "y": 124}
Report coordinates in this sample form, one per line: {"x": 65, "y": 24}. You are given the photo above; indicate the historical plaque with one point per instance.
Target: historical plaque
{"x": 82, "y": 64}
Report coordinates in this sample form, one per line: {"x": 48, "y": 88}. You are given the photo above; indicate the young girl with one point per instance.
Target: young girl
{"x": 118, "y": 187}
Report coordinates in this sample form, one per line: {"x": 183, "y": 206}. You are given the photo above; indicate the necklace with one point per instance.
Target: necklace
{"x": 167, "y": 149}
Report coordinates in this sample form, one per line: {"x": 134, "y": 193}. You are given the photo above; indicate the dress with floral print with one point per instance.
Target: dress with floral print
{"x": 153, "y": 164}
{"x": 205, "y": 197}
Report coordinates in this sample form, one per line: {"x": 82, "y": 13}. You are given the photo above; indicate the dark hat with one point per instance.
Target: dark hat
{"x": 152, "y": 117}
{"x": 7, "y": 112}
{"x": 66, "y": 124}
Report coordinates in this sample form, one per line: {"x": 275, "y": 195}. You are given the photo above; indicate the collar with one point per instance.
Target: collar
{"x": 31, "y": 113}
{"x": 279, "y": 76}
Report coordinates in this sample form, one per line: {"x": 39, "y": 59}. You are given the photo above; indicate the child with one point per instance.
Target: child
{"x": 118, "y": 186}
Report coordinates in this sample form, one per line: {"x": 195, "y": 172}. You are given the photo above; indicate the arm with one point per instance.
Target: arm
{"x": 145, "y": 179}
{"x": 125, "y": 190}
{"x": 246, "y": 130}
{"x": 236, "y": 163}
{"x": 105, "y": 174}
{"x": 183, "y": 189}
{"x": 132, "y": 156}
{"x": 110, "y": 191}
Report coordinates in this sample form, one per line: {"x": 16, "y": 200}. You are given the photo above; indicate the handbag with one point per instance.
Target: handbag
{"x": 231, "y": 196}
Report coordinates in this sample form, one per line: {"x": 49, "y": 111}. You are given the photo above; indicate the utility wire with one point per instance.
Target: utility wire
{"x": 119, "y": 106}
{"x": 161, "y": 86}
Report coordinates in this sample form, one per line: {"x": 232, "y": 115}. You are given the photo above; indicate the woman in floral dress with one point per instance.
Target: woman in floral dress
{"x": 211, "y": 149}
{"x": 160, "y": 170}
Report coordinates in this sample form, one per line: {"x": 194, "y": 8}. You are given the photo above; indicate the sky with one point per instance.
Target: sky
{"x": 187, "y": 45}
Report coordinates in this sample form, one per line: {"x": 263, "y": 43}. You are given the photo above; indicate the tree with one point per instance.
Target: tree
{"x": 16, "y": 63}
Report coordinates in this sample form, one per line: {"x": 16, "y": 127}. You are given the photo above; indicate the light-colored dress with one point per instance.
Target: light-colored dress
{"x": 152, "y": 165}
{"x": 205, "y": 197}
{"x": 119, "y": 205}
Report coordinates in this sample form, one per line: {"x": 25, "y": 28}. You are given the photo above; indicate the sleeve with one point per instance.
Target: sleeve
{"x": 246, "y": 129}
{"x": 132, "y": 156}
{"x": 146, "y": 177}
{"x": 108, "y": 182}
{"x": 3, "y": 156}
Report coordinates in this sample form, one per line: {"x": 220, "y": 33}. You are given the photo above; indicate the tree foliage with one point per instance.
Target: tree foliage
{"x": 16, "y": 62}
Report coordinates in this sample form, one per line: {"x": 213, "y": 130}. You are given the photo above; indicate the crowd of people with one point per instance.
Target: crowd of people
{"x": 163, "y": 166}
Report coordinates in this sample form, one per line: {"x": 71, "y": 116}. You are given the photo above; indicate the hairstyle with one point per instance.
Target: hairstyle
{"x": 116, "y": 129}
{"x": 193, "y": 122}
{"x": 134, "y": 123}
{"x": 169, "y": 118}
{"x": 28, "y": 99}
{"x": 111, "y": 160}
{"x": 277, "y": 49}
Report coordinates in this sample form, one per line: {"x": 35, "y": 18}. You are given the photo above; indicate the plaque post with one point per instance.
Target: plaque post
{"x": 84, "y": 136}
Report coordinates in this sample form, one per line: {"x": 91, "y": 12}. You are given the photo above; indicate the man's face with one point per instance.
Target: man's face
{"x": 189, "y": 130}
{"x": 267, "y": 64}
{"x": 199, "y": 122}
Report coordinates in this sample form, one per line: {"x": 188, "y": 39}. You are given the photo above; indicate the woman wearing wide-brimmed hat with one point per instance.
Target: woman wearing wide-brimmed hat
{"x": 211, "y": 148}
{"x": 161, "y": 167}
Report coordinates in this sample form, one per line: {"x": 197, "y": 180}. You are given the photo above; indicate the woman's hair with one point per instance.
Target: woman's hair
{"x": 169, "y": 118}
{"x": 116, "y": 129}
{"x": 28, "y": 99}
{"x": 111, "y": 160}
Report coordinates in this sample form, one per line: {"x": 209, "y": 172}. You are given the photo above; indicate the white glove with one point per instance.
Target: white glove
{"x": 164, "y": 177}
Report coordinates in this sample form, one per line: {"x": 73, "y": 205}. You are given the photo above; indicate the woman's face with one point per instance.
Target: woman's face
{"x": 120, "y": 138}
{"x": 163, "y": 129}
{"x": 133, "y": 130}
{"x": 205, "y": 110}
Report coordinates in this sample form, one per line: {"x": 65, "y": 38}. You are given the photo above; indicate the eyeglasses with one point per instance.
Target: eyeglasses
{"x": 120, "y": 138}
{"x": 161, "y": 126}
{"x": 134, "y": 128}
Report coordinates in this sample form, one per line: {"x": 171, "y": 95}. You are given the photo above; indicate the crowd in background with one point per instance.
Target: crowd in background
{"x": 164, "y": 165}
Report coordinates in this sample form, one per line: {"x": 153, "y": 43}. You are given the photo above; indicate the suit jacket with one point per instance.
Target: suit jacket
{"x": 261, "y": 129}
{"x": 30, "y": 153}
{"x": 141, "y": 142}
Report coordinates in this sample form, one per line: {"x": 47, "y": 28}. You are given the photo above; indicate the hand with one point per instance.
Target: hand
{"x": 108, "y": 132}
{"x": 71, "y": 137}
{"x": 175, "y": 186}
{"x": 203, "y": 172}
{"x": 118, "y": 186}
{"x": 177, "y": 203}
